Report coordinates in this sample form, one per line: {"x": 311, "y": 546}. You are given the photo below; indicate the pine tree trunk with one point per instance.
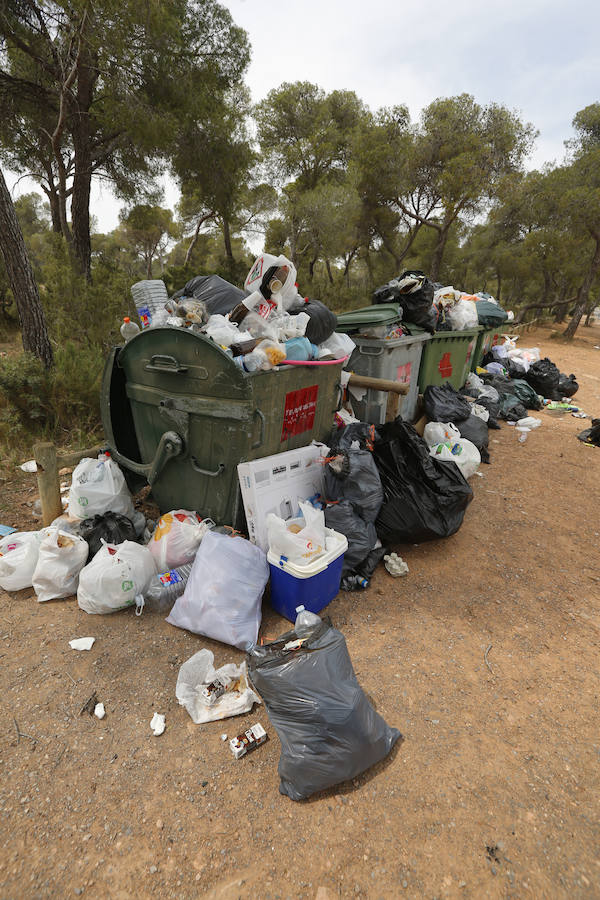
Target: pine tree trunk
{"x": 22, "y": 281}
{"x": 227, "y": 240}
{"x": 82, "y": 147}
{"x": 583, "y": 293}
{"x": 438, "y": 253}
{"x": 329, "y": 273}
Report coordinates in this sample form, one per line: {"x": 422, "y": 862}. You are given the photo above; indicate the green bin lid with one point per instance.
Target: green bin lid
{"x": 369, "y": 316}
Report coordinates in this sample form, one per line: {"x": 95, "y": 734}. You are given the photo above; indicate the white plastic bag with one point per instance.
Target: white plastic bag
{"x": 464, "y": 453}
{"x": 440, "y": 433}
{"x": 284, "y": 294}
{"x": 529, "y": 422}
{"x": 18, "y": 558}
{"x": 480, "y": 411}
{"x": 224, "y": 332}
{"x": 98, "y": 485}
{"x": 474, "y": 382}
{"x": 339, "y": 345}
{"x": 463, "y": 315}
{"x": 61, "y": 558}
{"x": 222, "y": 598}
{"x": 177, "y": 537}
{"x": 446, "y": 296}
{"x": 198, "y": 672}
{"x": 303, "y": 546}
{"x": 117, "y": 577}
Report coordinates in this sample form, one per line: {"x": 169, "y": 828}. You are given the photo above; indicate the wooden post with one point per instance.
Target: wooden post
{"x": 48, "y": 483}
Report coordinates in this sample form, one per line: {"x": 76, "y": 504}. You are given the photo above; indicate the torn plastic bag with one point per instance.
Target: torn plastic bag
{"x": 413, "y": 291}
{"x": 19, "y": 554}
{"x": 117, "y": 577}
{"x": 97, "y": 486}
{"x": 353, "y": 476}
{"x": 222, "y": 598}
{"x": 197, "y": 673}
{"x": 109, "y": 528}
{"x": 475, "y": 430}
{"x": 61, "y": 558}
{"x": 219, "y": 296}
{"x": 543, "y": 376}
{"x": 176, "y": 538}
{"x": 423, "y": 499}
{"x": 567, "y": 385}
{"x": 329, "y": 731}
{"x": 444, "y": 404}
{"x": 361, "y": 535}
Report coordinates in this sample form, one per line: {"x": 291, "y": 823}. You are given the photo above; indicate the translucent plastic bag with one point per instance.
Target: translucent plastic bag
{"x": 98, "y": 485}
{"x": 463, "y": 315}
{"x": 329, "y": 731}
{"x": 440, "y": 433}
{"x": 197, "y": 673}
{"x": 222, "y": 598}
{"x": 18, "y": 558}
{"x": 224, "y": 332}
{"x": 462, "y": 452}
{"x": 117, "y": 577}
{"x": 61, "y": 558}
{"x": 299, "y": 546}
{"x": 177, "y": 537}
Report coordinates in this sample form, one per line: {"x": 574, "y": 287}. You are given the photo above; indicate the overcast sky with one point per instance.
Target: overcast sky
{"x": 539, "y": 58}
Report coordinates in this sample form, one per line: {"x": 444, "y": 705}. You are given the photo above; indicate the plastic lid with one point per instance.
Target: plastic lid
{"x": 127, "y": 319}
{"x": 300, "y": 609}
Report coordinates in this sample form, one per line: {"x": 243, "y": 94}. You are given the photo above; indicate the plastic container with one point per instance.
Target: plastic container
{"x": 166, "y": 587}
{"x": 447, "y": 357}
{"x": 398, "y": 359}
{"x": 312, "y": 586}
{"x": 129, "y": 329}
{"x": 149, "y": 297}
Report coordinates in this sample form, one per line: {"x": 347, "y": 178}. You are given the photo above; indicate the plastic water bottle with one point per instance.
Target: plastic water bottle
{"x": 166, "y": 587}
{"x": 129, "y": 329}
{"x": 305, "y": 621}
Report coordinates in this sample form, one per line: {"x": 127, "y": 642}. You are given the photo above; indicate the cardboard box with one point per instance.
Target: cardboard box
{"x": 276, "y": 484}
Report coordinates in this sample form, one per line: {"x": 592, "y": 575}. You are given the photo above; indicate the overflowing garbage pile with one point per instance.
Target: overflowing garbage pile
{"x": 319, "y": 517}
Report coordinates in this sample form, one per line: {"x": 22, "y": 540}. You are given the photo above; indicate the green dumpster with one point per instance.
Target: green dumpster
{"x": 447, "y": 357}
{"x": 180, "y": 414}
{"x": 488, "y": 338}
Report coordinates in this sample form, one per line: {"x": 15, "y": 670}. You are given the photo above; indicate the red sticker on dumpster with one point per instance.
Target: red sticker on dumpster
{"x": 403, "y": 373}
{"x": 299, "y": 411}
{"x": 445, "y": 366}
{"x": 470, "y": 350}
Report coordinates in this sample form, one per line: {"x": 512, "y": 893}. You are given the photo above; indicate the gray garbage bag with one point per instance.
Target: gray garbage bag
{"x": 353, "y": 476}
{"x": 361, "y": 535}
{"x": 329, "y": 731}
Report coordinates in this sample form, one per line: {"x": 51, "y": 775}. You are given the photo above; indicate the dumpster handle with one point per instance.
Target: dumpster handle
{"x": 261, "y": 415}
{"x": 376, "y": 351}
{"x": 168, "y": 364}
{"x": 214, "y": 474}
{"x": 170, "y": 445}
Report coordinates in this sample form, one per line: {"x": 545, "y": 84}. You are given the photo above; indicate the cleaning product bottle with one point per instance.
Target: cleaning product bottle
{"x": 129, "y": 329}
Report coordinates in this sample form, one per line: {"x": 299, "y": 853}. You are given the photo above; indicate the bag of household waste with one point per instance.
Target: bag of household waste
{"x": 440, "y": 433}
{"x": 352, "y": 475}
{"x": 329, "y": 731}
{"x": 413, "y": 291}
{"x": 360, "y": 534}
{"x": 463, "y": 315}
{"x": 567, "y": 385}
{"x": 222, "y": 598}
{"x": 544, "y": 376}
{"x": 322, "y": 322}
{"x": 218, "y": 295}
{"x": 490, "y": 314}
{"x": 176, "y": 538}
{"x": 525, "y": 393}
{"x": 301, "y": 542}
{"x": 591, "y": 435}
{"x": 19, "y": 553}
{"x": 117, "y": 577}
{"x": 444, "y": 404}
{"x": 231, "y": 695}
{"x": 462, "y": 452}
{"x": 61, "y": 558}
{"x": 109, "y": 528}
{"x": 476, "y": 431}
{"x": 424, "y": 499}
{"x": 357, "y": 434}
{"x": 97, "y": 486}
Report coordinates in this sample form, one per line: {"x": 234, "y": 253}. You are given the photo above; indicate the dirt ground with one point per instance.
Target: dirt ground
{"x": 492, "y": 793}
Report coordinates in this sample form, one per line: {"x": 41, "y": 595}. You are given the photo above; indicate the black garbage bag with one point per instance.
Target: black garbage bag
{"x": 567, "y": 385}
{"x": 219, "y": 295}
{"x": 511, "y": 408}
{"x": 343, "y": 438}
{"x": 361, "y": 535}
{"x": 591, "y": 435}
{"x": 329, "y": 731}
{"x": 525, "y": 393}
{"x": 424, "y": 498}
{"x": 490, "y": 314}
{"x": 110, "y": 526}
{"x": 353, "y": 476}
{"x": 493, "y": 407}
{"x": 475, "y": 430}
{"x": 413, "y": 291}
{"x": 444, "y": 404}
{"x": 323, "y": 321}
{"x": 368, "y": 566}
{"x": 543, "y": 376}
